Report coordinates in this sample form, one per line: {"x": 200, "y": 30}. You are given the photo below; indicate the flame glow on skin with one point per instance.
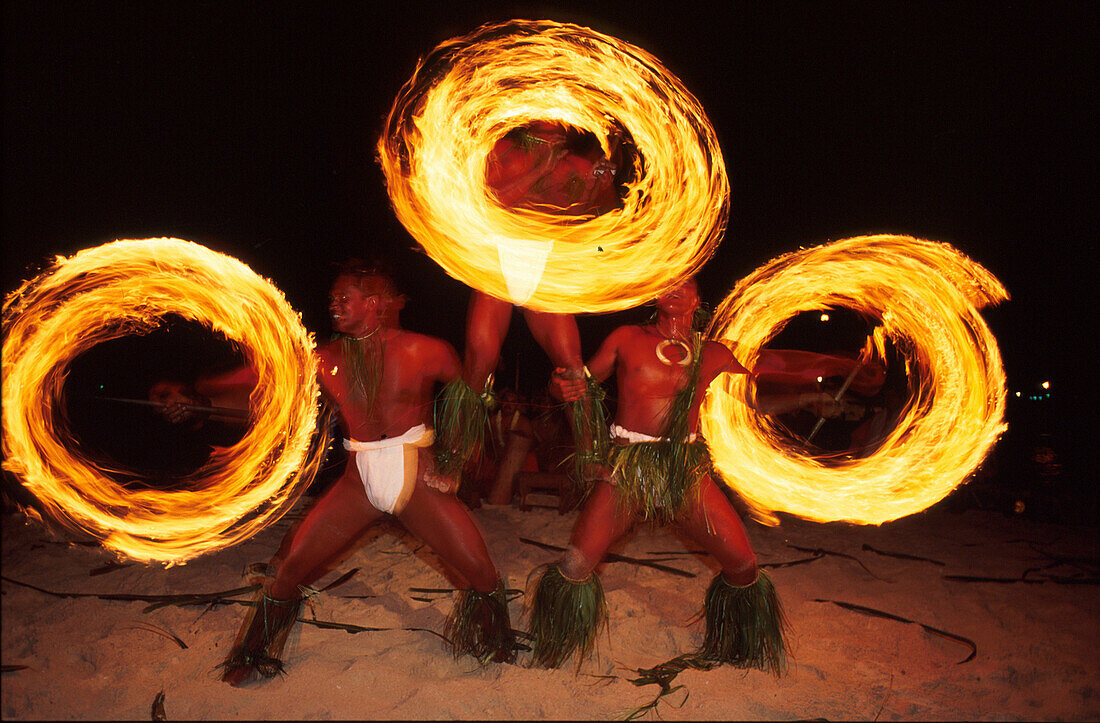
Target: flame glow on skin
{"x": 125, "y": 288}
{"x": 470, "y": 91}
{"x": 927, "y": 295}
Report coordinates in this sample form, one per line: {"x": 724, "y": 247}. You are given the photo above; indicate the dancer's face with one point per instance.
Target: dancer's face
{"x": 357, "y": 304}
{"x": 684, "y": 299}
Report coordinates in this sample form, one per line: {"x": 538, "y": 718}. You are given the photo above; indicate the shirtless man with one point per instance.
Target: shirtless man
{"x": 658, "y": 469}
{"x": 381, "y": 376}
{"x": 545, "y": 167}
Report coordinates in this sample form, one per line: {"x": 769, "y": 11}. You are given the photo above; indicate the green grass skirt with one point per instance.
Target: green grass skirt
{"x": 566, "y": 617}
{"x": 479, "y": 626}
{"x": 591, "y": 438}
{"x": 261, "y": 640}
{"x": 745, "y": 625}
{"x": 461, "y": 417}
{"x": 658, "y": 478}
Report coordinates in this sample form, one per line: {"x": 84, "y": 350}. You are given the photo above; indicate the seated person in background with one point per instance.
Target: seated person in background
{"x": 516, "y": 436}
{"x": 229, "y": 392}
{"x": 553, "y": 440}
{"x": 195, "y": 434}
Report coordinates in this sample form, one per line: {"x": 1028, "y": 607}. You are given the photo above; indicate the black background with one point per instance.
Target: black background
{"x": 250, "y": 127}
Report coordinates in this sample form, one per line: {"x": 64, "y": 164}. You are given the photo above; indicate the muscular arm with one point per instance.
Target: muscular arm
{"x": 445, "y": 365}
{"x": 602, "y": 364}
{"x": 819, "y": 403}
{"x": 230, "y": 389}
{"x": 717, "y": 359}
{"x": 600, "y": 367}
{"x": 513, "y": 170}
{"x": 512, "y": 189}
{"x": 771, "y": 363}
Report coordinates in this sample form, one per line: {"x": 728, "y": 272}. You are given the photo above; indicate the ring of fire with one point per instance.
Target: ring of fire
{"x": 927, "y": 296}
{"x": 470, "y": 91}
{"x": 124, "y": 288}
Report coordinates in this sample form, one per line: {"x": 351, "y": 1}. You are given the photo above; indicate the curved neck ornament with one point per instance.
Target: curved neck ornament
{"x": 368, "y": 335}
{"x": 665, "y": 344}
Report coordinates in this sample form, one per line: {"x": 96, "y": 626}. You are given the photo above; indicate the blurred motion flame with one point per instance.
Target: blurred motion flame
{"x": 927, "y": 296}
{"x": 125, "y": 288}
{"x": 470, "y": 91}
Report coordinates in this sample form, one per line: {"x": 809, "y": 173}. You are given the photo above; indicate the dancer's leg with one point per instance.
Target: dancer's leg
{"x": 711, "y": 521}
{"x": 600, "y": 525}
{"x": 447, "y": 526}
{"x": 745, "y": 626}
{"x": 567, "y": 605}
{"x": 334, "y": 522}
{"x": 558, "y": 336}
{"x": 331, "y": 525}
{"x": 487, "y": 320}
{"x": 479, "y": 624}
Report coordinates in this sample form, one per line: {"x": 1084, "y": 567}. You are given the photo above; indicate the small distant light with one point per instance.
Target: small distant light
{"x": 820, "y": 379}
{"x": 1045, "y": 385}
{"x": 824, "y": 317}
{"x": 1018, "y": 393}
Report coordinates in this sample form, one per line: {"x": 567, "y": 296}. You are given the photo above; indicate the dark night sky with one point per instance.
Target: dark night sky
{"x": 250, "y": 128}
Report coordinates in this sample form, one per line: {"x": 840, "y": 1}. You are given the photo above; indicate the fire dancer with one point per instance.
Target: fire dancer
{"x": 381, "y": 377}
{"x": 553, "y": 169}
{"x": 658, "y": 469}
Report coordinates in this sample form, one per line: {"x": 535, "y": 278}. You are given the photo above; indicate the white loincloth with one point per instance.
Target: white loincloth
{"x": 625, "y": 434}
{"x": 388, "y": 467}
{"x": 522, "y": 262}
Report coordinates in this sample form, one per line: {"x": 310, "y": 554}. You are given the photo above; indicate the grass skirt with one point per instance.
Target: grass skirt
{"x": 658, "y": 478}
{"x": 479, "y": 626}
{"x": 745, "y": 625}
{"x": 591, "y": 438}
{"x": 261, "y": 640}
{"x": 566, "y": 617}
{"x": 461, "y": 417}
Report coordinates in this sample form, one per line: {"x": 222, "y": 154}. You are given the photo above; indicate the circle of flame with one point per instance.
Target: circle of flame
{"x": 927, "y": 296}
{"x": 126, "y": 287}
{"x": 470, "y": 91}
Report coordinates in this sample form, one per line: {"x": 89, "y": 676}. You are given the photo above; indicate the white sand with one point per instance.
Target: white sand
{"x": 1036, "y": 643}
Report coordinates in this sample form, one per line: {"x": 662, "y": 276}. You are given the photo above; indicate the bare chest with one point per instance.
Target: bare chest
{"x": 374, "y": 390}
{"x": 655, "y": 366}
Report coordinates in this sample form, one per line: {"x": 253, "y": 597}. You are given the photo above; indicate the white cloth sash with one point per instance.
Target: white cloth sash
{"x": 388, "y": 467}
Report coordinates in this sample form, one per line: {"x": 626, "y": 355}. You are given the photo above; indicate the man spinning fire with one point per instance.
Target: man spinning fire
{"x": 381, "y": 377}
{"x": 658, "y": 469}
{"x": 545, "y": 167}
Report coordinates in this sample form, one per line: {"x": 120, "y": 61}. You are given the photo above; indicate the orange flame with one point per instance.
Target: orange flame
{"x": 126, "y": 287}
{"x": 927, "y": 296}
{"x": 472, "y": 90}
